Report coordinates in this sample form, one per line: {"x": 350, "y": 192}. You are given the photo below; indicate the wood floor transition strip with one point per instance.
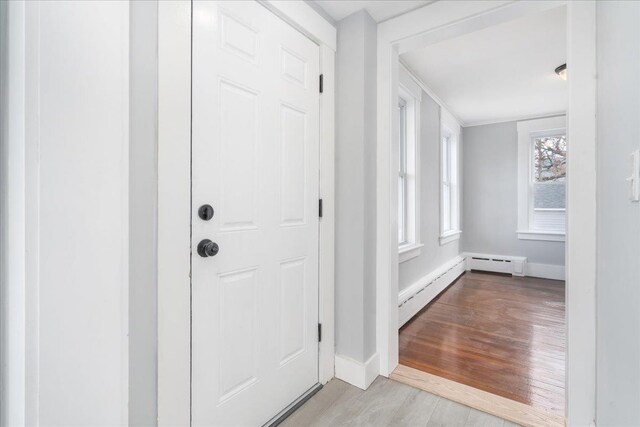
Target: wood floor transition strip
{"x": 499, "y": 406}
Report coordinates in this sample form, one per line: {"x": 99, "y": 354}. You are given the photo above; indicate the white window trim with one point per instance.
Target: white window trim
{"x": 409, "y": 251}
{"x": 526, "y": 131}
{"x": 411, "y": 93}
{"x": 541, "y": 235}
{"x": 450, "y": 236}
{"x": 450, "y": 127}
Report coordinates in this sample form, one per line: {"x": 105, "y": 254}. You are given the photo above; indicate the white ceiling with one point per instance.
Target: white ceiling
{"x": 379, "y": 10}
{"x": 500, "y": 73}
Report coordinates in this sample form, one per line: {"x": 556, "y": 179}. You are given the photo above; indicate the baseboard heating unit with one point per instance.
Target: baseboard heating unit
{"x": 412, "y": 299}
{"x": 514, "y": 265}
{"x": 496, "y": 263}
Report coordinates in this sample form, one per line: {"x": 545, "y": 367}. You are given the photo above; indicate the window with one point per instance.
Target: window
{"x": 408, "y": 172}
{"x": 542, "y": 170}
{"x": 446, "y": 184}
{"x": 549, "y": 183}
{"x": 449, "y": 191}
{"x": 402, "y": 175}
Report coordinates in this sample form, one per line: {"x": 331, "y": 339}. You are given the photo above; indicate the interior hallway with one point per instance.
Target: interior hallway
{"x": 501, "y": 334}
{"x": 386, "y": 403}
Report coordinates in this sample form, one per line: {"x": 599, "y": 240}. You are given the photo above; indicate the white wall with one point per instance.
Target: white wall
{"x": 432, "y": 255}
{"x": 490, "y": 196}
{"x": 76, "y": 106}
{"x": 355, "y": 294}
{"x": 618, "y": 236}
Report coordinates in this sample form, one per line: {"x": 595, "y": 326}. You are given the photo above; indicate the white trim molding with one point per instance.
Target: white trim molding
{"x": 407, "y": 252}
{"x": 417, "y": 295}
{"x": 428, "y": 90}
{"x": 356, "y": 373}
{"x": 512, "y": 119}
{"x": 305, "y": 19}
{"x": 410, "y": 82}
{"x": 541, "y": 235}
{"x": 450, "y": 236}
{"x": 326, "y": 260}
{"x": 581, "y": 246}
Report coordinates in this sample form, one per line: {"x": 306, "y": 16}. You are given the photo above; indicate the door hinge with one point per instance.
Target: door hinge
{"x": 321, "y": 82}
{"x": 319, "y": 332}
{"x": 320, "y": 208}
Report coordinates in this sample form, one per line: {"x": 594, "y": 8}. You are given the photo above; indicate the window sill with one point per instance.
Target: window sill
{"x": 549, "y": 236}
{"x": 450, "y": 236}
{"x": 407, "y": 252}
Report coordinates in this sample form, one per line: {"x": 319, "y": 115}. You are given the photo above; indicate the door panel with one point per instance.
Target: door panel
{"x": 238, "y": 157}
{"x": 255, "y": 160}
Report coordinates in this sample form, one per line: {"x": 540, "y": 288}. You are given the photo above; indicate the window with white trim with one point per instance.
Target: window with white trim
{"x": 408, "y": 173}
{"x": 548, "y": 182}
{"x": 402, "y": 175}
{"x": 447, "y": 212}
{"x": 542, "y": 169}
{"x": 449, "y": 191}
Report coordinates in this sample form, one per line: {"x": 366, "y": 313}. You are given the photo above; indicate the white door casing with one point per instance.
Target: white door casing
{"x": 255, "y": 159}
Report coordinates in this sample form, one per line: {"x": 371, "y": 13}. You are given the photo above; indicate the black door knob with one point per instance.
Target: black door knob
{"x": 207, "y": 248}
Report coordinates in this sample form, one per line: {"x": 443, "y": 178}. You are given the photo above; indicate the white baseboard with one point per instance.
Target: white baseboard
{"x": 355, "y": 373}
{"x": 545, "y": 271}
{"x": 412, "y": 299}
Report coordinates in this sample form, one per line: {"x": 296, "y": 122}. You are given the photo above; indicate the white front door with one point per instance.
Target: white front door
{"x": 255, "y": 161}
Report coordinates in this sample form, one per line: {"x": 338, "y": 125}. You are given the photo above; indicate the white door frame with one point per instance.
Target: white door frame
{"x": 174, "y": 197}
{"x": 442, "y": 20}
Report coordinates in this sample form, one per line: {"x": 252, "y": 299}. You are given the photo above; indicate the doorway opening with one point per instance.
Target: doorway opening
{"x": 481, "y": 305}
{"x": 494, "y": 108}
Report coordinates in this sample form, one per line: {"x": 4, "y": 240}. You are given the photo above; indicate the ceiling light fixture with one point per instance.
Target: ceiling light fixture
{"x": 562, "y": 71}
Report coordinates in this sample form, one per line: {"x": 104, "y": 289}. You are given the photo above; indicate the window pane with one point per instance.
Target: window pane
{"x": 445, "y": 159}
{"x": 551, "y": 195}
{"x": 550, "y": 169}
{"x": 446, "y": 207}
{"x": 550, "y": 158}
{"x": 403, "y": 136}
{"x": 402, "y": 168}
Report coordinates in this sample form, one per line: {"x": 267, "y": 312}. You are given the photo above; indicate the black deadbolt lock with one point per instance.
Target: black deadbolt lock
{"x": 207, "y": 248}
{"x": 205, "y": 212}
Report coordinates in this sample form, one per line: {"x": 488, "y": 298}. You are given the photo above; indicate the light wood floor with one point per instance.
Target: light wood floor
{"x": 501, "y": 334}
{"x": 386, "y": 403}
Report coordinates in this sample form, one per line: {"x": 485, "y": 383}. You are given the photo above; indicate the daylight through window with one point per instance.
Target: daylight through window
{"x": 549, "y": 183}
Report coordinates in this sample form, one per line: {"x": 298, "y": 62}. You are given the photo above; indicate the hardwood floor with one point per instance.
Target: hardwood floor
{"x": 501, "y": 334}
{"x": 386, "y": 403}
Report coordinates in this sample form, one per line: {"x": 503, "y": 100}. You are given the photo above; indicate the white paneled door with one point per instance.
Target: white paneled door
{"x": 256, "y": 163}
